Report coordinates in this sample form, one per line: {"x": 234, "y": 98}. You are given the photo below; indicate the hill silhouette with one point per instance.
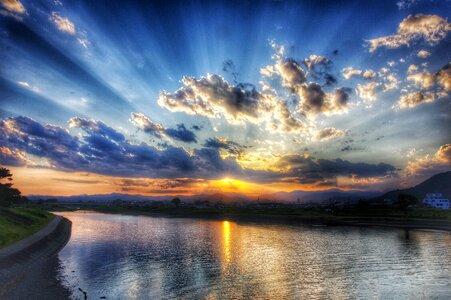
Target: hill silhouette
{"x": 439, "y": 183}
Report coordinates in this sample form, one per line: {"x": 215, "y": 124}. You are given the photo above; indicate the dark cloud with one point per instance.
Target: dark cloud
{"x": 157, "y": 130}
{"x": 308, "y": 169}
{"x": 181, "y": 134}
{"x": 77, "y": 181}
{"x": 228, "y": 66}
{"x": 13, "y": 157}
{"x": 231, "y": 147}
{"x": 98, "y": 127}
{"x": 213, "y": 95}
{"x": 315, "y": 101}
{"x": 100, "y": 151}
{"x": 319, "y": 67}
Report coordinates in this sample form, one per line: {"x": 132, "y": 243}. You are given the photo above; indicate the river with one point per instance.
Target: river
{"x": 141, "y": 257}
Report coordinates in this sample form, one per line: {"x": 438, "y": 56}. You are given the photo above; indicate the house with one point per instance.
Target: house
{"x": 436, "y": 200}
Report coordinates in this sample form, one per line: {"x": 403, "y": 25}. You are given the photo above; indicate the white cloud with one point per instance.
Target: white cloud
{"x": 24, "y": 84}
{"x": 431, "y": 28}
{"x": 367, "y": 91}
{"x": 429, "y": 164}
{"x": 423, "y": 54}
{"x": 14, "y": 6}
{"x": 369, "y": 74}
{"x": 329, "y": 134}
{"x": 414, "y": 99}
{"x": 348, "y": 72}
{"x": 412, "y": 69}
{"x": 144, "y": 123}
{"x": 62, "y": 23}
{"x": 423, "y": 79}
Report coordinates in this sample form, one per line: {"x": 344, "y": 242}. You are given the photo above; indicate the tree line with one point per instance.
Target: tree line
{"x": 8, "y": 194}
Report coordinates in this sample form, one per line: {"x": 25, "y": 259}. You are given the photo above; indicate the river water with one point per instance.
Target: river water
{"x": 139, "y": 257}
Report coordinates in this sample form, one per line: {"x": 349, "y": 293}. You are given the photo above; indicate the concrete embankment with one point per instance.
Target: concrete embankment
{"x": 29, "y": 268}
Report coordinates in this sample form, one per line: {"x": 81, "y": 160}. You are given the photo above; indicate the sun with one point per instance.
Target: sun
{"x": 227, "y": 180}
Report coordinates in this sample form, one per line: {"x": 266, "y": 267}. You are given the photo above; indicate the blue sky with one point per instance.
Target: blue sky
{"x": 291, "y": 94}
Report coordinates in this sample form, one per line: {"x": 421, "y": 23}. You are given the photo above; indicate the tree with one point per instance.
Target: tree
{"x": 404, "y": 201}
{"x": 8, "y": 194}
{"x": 176, "y": 201}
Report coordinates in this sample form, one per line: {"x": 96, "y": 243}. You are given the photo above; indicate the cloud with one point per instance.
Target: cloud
{"x": 222, "y": 143}
{"x": 284, "y": 120}
{"x": 444, "y": 154}
{"x": 213, "y": 95}
{"x": 431, "y": 28}
{"x": 416, "y": 98}
{"x": 440, "y": 81}
{"x": 318, "y": 67}
{"x": 423, "y": 54}
{"x": 291, "y": 73}
{"x": 98, "y": 127}
{"x": 97, "y": 152}
{"x": 348, "y": 72}
{"x": 315, "y": 101}
{"x": 429, "y": 165}
{"x": 424, "y": 79}
{"x": 369, "y": 74}
{"x": 329, "y": 133}
{"x": 404, "y": 4}
{"x": 181, "y": 134}
{"x": 367, "y": 91}
{"x": 314, "y": 61}
{"x": 12, "y": 157}
{"x": 303, "y": 168}
{"x": 144, "y": 123}
{"x": 62, "y": 23}
{"x": 26, "y": 135}
{"x": 444, "y": 77}
{"x": 13, "y": 6}
{"x": 390, "y": 81}
{"x": 158, "y": 130}
{"x": 24, "y": 84}
{"x": 412, "y": 69}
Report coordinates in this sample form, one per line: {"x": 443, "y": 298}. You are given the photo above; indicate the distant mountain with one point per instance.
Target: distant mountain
{"x": 439, "y": 183}
{"x": 286, "y": 197}
{"x": 216, "y": 197}
{"x": 101, "y": 197}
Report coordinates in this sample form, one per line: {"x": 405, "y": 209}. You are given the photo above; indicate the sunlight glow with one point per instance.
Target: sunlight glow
{"x": 226, "y": 240}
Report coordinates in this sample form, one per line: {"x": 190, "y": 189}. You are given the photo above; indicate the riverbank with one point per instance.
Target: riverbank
{"x": 314, "y": 218}
{"x": 18, "y": 223}
{"x": 29, "y": 268}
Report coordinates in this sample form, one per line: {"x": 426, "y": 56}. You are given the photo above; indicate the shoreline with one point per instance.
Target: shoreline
{"x": 391, "y": 222}
{"x": 29, "y": 267}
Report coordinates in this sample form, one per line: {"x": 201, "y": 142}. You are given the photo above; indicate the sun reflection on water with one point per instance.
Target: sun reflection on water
{"x": 226, "y": 240}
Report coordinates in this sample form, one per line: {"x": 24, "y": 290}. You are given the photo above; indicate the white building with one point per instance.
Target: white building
{"x": 436, "y": 200}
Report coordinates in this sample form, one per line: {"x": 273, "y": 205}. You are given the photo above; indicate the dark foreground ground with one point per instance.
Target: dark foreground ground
{"x": 31, "y": 273}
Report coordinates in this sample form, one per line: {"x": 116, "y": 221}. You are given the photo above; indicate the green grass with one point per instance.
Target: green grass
{"x": 387, "y": 213}
{"x": 18, "y": 223}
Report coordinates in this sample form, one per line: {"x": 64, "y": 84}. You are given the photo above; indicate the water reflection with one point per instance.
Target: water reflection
{"x": 141, "y": 257}
{"x": 226, "y": 239}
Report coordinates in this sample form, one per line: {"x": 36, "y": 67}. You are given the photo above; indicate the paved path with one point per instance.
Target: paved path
{"x": 28, "y": 268}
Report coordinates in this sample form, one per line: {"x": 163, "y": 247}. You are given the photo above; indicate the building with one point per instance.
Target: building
{"x": 436, "y": 200}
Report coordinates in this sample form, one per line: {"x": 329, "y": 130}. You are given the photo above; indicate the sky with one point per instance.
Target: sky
{"x": 189, "y": 97}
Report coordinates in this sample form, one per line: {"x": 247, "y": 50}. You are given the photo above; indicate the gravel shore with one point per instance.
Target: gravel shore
{"x": 30, "y": 271}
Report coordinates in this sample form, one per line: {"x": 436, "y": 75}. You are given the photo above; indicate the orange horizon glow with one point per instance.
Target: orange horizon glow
{"x": 49, "y": 182}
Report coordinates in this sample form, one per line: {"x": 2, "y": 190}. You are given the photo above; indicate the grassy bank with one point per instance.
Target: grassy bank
{"x": 18, "y": 223}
